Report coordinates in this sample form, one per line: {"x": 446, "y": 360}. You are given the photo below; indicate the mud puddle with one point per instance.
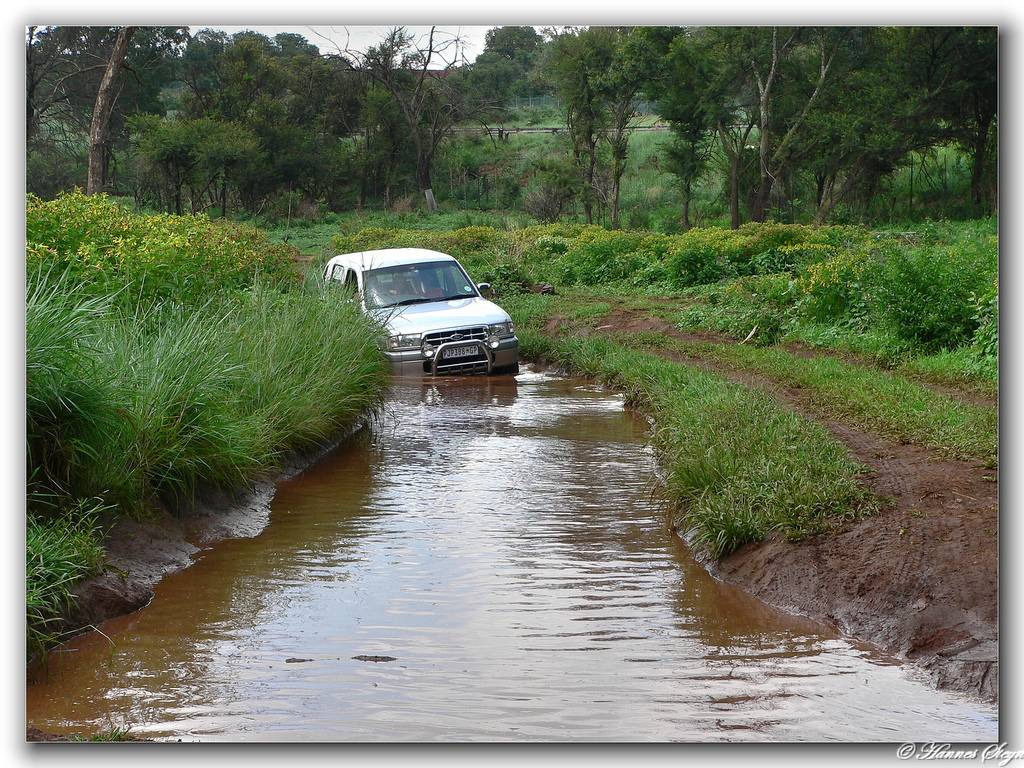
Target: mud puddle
{"x": 490, "y": 563}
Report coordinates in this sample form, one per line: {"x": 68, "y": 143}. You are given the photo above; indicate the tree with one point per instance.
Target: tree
{"x": 905, "y": 90}
{"x": 503, "y": 69}
{"x": 781, "y": 118}
{"x": 729, "y": 100}
{"x": 677, "y": 80}
{"x": 573, "y": 65}
{"x": 407, "y": 69}
{"x": 104, "y": 104}
{"x": 628, "y": 69}
{"x": 957, "y": 68}
{"x": 976, "y": 103}
{"x": 201, "y": 155}
{"x": 222, "y": 149}
{"x": 65, "y": 67}
{"x": 297, "y": 103}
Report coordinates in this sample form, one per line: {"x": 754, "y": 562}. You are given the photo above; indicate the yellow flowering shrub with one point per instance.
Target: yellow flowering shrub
{"x": 112, "y": 251}
{"x": 836, "y": 287}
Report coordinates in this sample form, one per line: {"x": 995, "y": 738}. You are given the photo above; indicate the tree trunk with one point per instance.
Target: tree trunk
{"x": 423, "y": 163}
{"x": 617, "y": 171}
{"x": 761, "y": 198}
{"x": 588, "y": 192}
{"x": 102, "y": 109}
{"x": 30, "y": 89}
{"x": 831, "y": 200}
{"x": 980, "y": 157}
{"x": 734, "y": 192}
{"x": 819, "y": 193}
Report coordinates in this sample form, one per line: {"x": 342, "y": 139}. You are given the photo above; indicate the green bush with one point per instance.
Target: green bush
{"x": 507, "y": 278}
{"x": 789, "y": 258}
{"x": 599, "y": 256}
{"x": 926, "y": 294}
{"x": 144, "y": 260}
{"x": 703, "y": 256}
{"x": 838, "y": 288}
{"x": 709, "y": 254}
{"x": 986, "y": 315}
{"x": 737, "y": 307}
{"x": 576, "y": 254}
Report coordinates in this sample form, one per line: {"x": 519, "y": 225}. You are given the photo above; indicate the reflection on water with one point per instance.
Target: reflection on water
{"x": 502, "y": 541}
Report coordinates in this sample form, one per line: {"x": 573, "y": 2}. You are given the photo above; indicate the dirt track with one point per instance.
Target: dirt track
{"x": 919, "y": 579}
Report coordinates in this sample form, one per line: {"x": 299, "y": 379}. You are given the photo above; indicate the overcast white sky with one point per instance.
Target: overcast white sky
{"x": 360, "y": 37}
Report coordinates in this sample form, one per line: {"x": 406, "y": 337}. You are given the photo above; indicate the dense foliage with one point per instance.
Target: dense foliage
{"x": 755, "y": 123}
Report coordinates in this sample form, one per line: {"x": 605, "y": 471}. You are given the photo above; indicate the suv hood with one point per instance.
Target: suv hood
{"x": 440, "y": 315}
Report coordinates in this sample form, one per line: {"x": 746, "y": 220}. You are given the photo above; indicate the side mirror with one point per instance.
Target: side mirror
{"x": 485, "y": 290}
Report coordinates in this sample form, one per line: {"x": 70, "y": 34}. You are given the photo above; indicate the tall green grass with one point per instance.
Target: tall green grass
{"x": 71, "y": 406}
{"x": 214, "y": 396}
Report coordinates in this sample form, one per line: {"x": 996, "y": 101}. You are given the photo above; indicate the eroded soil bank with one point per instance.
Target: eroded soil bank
{"x": 919, "y": 579}
{"x": 139, "y": 553}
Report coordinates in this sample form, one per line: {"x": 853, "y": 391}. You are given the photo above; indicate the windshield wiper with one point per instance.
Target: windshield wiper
{"x": 420, "y": 300}
{"x": 424, "y": 300}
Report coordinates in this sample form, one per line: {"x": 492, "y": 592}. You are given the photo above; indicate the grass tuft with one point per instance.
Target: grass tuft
{"x": 61, "y": 548}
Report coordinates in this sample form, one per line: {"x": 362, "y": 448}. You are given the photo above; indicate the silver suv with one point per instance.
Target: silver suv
{"x": 437, "y": 319}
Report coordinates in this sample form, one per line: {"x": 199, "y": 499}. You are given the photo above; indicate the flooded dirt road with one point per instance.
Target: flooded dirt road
{"x": 496, "y": 558}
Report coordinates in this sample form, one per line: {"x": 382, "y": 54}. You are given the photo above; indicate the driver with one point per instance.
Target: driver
{"x": 403, "y": 287}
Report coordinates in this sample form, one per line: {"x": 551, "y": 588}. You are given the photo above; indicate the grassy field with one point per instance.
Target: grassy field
{"x": 165, "y": 353}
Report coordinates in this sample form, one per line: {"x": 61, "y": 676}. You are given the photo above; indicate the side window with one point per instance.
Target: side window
{"x": 337, "y": 272}
{"x": 351, "y": 282}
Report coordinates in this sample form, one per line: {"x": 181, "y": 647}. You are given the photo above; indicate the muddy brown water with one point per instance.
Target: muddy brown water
{"x": 496, "y": 555}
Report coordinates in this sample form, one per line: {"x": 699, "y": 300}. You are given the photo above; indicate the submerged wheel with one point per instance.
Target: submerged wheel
{"x": 506, "y": 370}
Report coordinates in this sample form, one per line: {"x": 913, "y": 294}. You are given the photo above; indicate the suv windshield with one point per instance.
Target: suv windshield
{"x": 415, "y": 284}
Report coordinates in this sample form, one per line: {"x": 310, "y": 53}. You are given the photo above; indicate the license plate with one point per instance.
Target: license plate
{"x": 454, "y": 352}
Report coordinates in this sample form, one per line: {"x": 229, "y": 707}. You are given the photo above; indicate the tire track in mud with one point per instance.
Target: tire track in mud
{"x": 626, "y": 320}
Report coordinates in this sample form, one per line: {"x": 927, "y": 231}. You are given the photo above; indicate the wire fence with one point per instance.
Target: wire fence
{"x": 541, "y": 101}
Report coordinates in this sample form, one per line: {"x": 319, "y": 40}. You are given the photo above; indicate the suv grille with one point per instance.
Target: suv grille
{"x": 475, "y": 333}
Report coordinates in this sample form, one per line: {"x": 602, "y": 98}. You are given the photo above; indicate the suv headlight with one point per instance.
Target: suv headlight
{"x": 501, "y": 330}
{"x": 404, "y": 341}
